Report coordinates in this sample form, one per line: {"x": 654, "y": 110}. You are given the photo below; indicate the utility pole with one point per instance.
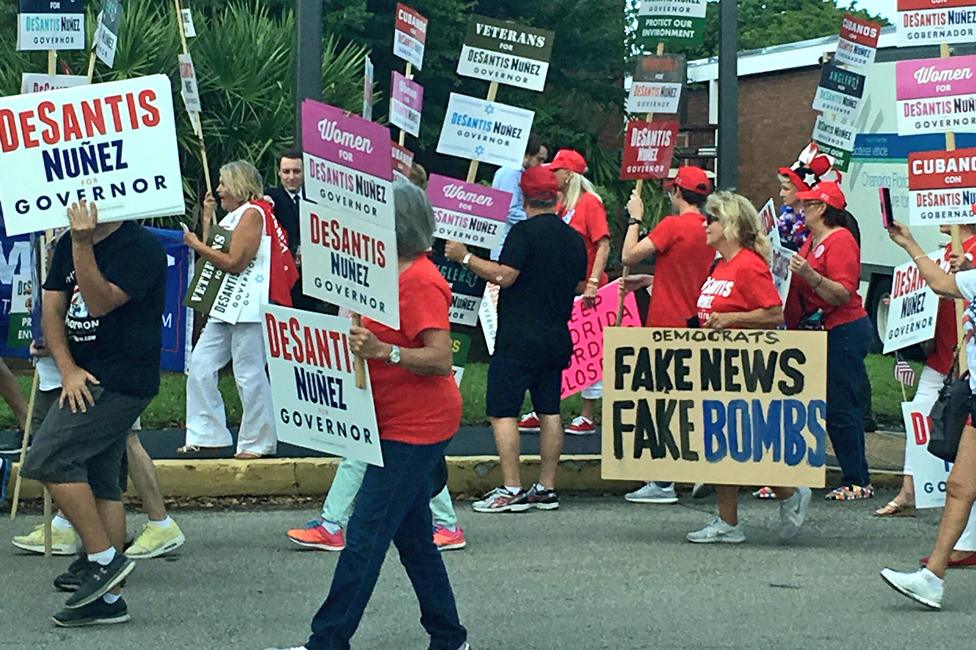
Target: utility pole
{"x": 308, "y": 57}
{"x": 728, "y": 96}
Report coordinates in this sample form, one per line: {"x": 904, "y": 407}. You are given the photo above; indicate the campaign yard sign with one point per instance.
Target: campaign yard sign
{"x": 936, "y": 95}
{"x": 488, "y": 315}
{"x": 858, "y": 44}
{"x": 648, "y": 149}
{"x": 676, "y": 23}
{"x": 930, "y": 473}
{"x": 177, "y": 318}
{"x": 467, "y": 289}
{"x": 402, "y": 159}
{"x": 586, "y": 325}
{"x": 313, "y": 385}
{"x": 514, "y": 55}
{"x": 350, "y": 262}
{"x": 107, "y": 34}
{"x": 189, "y": 29}
{"x": 913, "y": 307}
{"x": 409, "y": 35}
{"x": 51, "y": 25}
{"x": 224, "y": 296}
{"x": 406, "y": 104}
{"x": 840, "y": 92}
{"x": 467, "y": 212}
{"x": 729, "y": 407}
{"x": 188, "y": 80}
{"x": 932, "y": 22}
{"x": 657, "y": 83}
{"x": 779, "y": 266}
{"x": 836, "y": 139}
{"x": 460, "y": 348}
{"x": 347, "y": 164}
{"x": 90, "y": 142}
{"x": 368, "y": 70}
{"x": 489, "y": 132}
{"x": 19, "y": 332}
{"x": 15, "y": 263}
{"x": 40, "y": 83}
{"x": 941, "y": 187}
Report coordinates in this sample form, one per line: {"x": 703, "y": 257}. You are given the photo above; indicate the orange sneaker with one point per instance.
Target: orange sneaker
{"x": 315, "y": 535}
{"x": 449, "y": 540}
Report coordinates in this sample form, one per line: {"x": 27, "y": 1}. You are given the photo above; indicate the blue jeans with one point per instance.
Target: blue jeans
{"x": 847, "y": 345}
{"x": 392, "y": 505}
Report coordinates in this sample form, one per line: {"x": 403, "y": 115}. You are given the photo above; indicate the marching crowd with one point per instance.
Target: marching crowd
{"x": 711, "y": 261}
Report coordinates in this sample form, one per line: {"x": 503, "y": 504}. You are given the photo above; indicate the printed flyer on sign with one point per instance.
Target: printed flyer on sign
{"x": 313, "y": 386}
{"x": 930, "y": 473}
{"x": 51, "y": 25}
{"x": 489, "y": 132}
{"x": 913, "y": 307}
{"x": 90, "y": 142}
{"x": 40, "y": 83}
{"x": 19, "y": 332}
{"x": 941, "y": 187}
{"x": 657, "y": 83}
{"x": 350, "y": 262}
{"x": 467, "y": 289}
{"x": 107, "y": 33}
{"x": 858, "y": 44}
{"x": 406, "y": 104}
{"x": 840, "y": 92}
{"x": 779, "y": 266}
{"x": 586, "y": 325}
{"x": 488, "y": 316}
{"x": 933, "y": 22}
{"x": 514, "y": 55}
{"x": 648, "y": 149}
{"x": 410, "y": 36}
{"x": 347, "y": 163}
{"x": 836, "y": 139}
{"x": 467, "y": 212}
{"x": 678, "y": 23}
{"x": 731, "y": 407}
{"x": 189, "y": 90}
{"x": 936, "y": 95}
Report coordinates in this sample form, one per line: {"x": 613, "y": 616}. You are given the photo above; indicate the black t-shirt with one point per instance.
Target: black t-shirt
{"x": 121, "y": 349}
{"x": 533, "y": 313}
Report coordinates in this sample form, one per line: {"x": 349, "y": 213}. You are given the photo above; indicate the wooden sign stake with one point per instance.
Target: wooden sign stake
{"x": 473, "y": 167}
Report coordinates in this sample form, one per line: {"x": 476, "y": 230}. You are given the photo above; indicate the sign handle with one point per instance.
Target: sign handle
{"x": 473, "y": 167}
{"x": 639, "y": 186}
{"x": 359, "y": 366}
{"x": 408, "y": 73}
{"x": 52, "y": 62}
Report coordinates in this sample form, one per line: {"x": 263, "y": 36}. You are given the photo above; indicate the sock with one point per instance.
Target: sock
{"x": 931, "y": 578}
{"x": 513, "y": 490}
{"x": 60, "y": 523}
{"x": 103, "y": 557}
{"x": 539, "y": 487}
{"x": 162, "y": 523}
{"x": 111, "y": 598}
{"x": 331, "y": 526}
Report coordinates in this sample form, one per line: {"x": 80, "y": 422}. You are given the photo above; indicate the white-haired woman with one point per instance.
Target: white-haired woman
{"x": 241, "y": 341}
{"x": 740, "y": 294}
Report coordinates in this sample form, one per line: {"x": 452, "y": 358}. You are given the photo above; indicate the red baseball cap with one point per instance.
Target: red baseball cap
{"x": 692, "y": 179}
{"x": 539, "y": 182}
{"x": 568, "y": 159}
{"x": 827, "y": 192}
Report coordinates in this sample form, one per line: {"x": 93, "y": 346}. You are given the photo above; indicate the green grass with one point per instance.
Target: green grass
{"x": 169, "y": 407}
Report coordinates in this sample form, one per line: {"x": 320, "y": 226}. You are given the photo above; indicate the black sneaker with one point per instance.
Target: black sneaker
{"x": 96, "y": 613}
{"x": 541, "y": 499}
{"x": 98, "y": 579}
{"x": 71, "y": 579}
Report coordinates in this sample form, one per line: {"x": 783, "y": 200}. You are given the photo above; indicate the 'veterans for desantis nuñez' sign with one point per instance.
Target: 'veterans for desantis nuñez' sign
{"x": 514, "y": 55}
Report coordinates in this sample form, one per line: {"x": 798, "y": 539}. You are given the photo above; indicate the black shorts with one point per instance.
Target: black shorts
{"x": 508, "y": 379}
{"x": 85, "y": 447}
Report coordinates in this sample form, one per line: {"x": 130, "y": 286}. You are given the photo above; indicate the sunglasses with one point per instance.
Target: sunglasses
{"x": 711, "y": 218}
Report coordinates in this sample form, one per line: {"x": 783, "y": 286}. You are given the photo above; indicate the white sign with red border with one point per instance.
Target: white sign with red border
{"x": 410, "y": 35}
{"x": 941, "y": 187}
{"x": 930, "y": 473}
{"x": 933, "y": 22}
{"x": 913, "y": 307}
{"x": 858, "y": 44}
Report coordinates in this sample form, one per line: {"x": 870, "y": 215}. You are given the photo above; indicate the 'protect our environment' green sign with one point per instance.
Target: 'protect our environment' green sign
{"x": 676, "y": 23}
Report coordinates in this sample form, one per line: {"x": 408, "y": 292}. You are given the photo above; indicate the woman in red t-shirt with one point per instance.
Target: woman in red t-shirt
{"x": 740, "y": 294}
{"x": 418, "y": 410}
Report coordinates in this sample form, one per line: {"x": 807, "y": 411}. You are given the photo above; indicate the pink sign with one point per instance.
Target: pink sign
{"x": 469, "y": 213}
{"x": 586, "y": 329}
{"x": 406, "y": 104}
{"x": 347, "y": 140}
{"x": 924, "y": 78}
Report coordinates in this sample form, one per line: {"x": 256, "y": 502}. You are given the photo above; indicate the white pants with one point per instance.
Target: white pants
{"x": 929, "y": 384}
{"x": 593, "y": 392}
{"x": 206, "y": 421}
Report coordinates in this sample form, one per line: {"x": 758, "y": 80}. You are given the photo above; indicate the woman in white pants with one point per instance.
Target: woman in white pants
{"x": 238, "y": 338}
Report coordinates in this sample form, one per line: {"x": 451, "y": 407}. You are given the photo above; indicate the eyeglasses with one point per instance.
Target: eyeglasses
{"x": 711, "y": 218}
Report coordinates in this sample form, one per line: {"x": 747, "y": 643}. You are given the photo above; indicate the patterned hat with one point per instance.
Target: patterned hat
{"x": 810, "y": 168}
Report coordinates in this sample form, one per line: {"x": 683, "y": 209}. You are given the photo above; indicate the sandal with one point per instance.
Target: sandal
{"x": 196, "y": 449}
{"x": 764, "y": 493}
{"x": 851, "y": 493}
{"x": 247, "y": 455}
{"x": 895, "y": 509}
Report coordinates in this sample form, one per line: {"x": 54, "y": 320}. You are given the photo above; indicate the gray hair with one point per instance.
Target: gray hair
{"x": 414, "y": 219}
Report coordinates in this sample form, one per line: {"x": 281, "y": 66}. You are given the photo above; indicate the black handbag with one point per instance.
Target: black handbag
{"x": 949, "y": 415}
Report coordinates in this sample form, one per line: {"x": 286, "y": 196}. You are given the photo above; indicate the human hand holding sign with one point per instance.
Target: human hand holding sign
{"x": 455, "y": 251}
{"x": 960, "y": 262}
{"x": 209, "y": 210}
{"x": 719, "y": 321}
{"x": 364, "y": 344}
{"x": 189, "y": 237}
{"x": 800, "y": 267}
{"x": 74, "y": 389}
{"x": 83, "y": 221}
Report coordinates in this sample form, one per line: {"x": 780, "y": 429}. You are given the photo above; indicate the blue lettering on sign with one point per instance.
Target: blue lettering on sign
{"x": 748, "y": 431}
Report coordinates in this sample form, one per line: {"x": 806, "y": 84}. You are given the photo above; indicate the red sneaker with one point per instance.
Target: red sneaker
{"x": 315, "y": 535}
{"x": 449, "y": 540}
{"x": 968, "y": 561}
{"x": 581, "y": 426}
{"x": 529, "y": 423}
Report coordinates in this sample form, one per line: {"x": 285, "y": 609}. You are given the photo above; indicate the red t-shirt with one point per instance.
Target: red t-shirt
{"x": 741, "y": 284}
{"x": 945, "y": 323}
{"x": 837, "y": 258}
{"x": 411, "y": 408}
{"x": 681, "y": 263}
{"x": 589, "y": 219}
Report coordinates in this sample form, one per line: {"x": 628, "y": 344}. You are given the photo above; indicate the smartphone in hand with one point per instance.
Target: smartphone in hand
{"x": 887, "y": 215}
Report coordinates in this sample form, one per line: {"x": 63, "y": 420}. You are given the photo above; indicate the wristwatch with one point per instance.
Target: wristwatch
{"x": 394, "y": 358}
{"x": 634, "y": 222}
{"x": 466, "y": 260}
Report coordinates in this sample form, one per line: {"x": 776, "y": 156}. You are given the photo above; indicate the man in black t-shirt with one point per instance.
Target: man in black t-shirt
{"x": 540, "y": 269}
{"x": 102, "y": 304}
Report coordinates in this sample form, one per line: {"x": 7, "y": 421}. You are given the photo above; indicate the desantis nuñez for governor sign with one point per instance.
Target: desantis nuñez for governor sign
{"x": 732, "y": 407}
{"x": 113, "y": 144}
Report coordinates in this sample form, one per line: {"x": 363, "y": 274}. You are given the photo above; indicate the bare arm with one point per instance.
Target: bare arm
{"x": 101, "y": 296}
{"x": 833, "y": 292}
{"x": 635, "y": 249}
{"x": 494, "y": 272}
{"x": 600, "y": 258}
{"x": 435, "y": 358}
{"x": 243, "y": 245}
{"x": 74, "y": 380}
{"x": 757, "y": 319}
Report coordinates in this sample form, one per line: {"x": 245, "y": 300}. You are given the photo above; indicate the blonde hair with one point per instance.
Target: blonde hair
{"x": 740, "y": 221}
{"x": 577, "y": 185}
{"x": 242, "y": 180}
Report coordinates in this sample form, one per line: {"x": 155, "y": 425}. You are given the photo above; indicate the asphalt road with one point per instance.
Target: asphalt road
{"x": 599, "y": 573}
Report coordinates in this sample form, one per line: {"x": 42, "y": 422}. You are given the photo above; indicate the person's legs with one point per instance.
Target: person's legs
{"x": 545, "y": 390}
{"x": 591, "y": 399}
{"x": 143, "y": 475}
{"x": 846, "y": 349}
{"x": 77, "y": 503}
{"x": 206, "y": 420}
{"x": 728, "y": 503}
{"x": 10, "y": 392}
{"x": 508, "y": 445}
{"x": 960, "y": 494}
{"x": 257, "y": 434}
{"x": 442, "y": 507}
{"x": 338, "y": 504}
{"x": 507, "y": 382}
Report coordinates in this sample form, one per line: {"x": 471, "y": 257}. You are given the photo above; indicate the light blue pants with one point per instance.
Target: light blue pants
{"x": 338, "y": 504}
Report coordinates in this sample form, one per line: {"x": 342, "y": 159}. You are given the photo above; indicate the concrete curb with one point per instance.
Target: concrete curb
{"x": 468, "y": 475}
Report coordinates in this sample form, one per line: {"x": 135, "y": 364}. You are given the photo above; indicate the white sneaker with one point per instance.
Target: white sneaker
{"x": 717, "y": 531}
{"x": 922, "y": 586}
{"x": 702, "y": 490}
{"x": 793, "y": 512}
{"x": 653, "y": 493}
